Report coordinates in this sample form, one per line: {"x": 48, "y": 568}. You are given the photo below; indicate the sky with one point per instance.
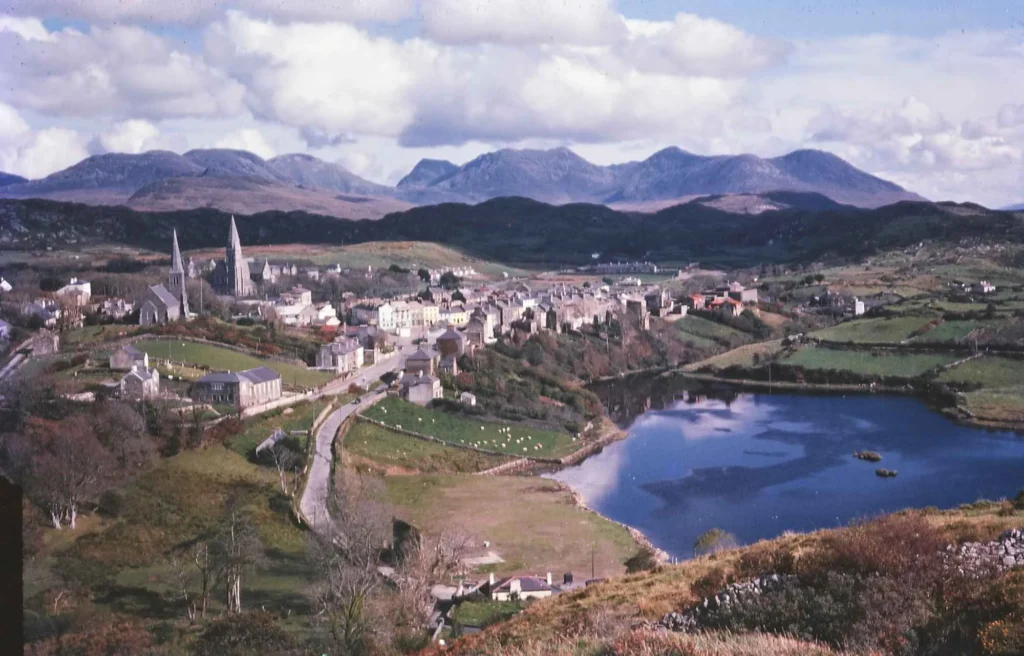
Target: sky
{"x": 927, "y": 93}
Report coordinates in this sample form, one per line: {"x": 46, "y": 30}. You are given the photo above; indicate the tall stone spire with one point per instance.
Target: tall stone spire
{"x": 237, "y": 280}
{"x": 176, "y": 266}
{"x": 234, "y": 243}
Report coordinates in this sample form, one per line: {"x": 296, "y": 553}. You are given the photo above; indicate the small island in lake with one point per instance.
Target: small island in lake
{"x": 870, "y": 456}
{"x": 885, "y": 473}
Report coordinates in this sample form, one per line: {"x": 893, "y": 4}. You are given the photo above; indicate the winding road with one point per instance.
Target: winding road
{"x": 318, "y": 485}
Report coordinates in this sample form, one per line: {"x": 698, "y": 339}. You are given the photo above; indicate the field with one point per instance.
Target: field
{"x": 221, "y": 359}
{"x": 881, "y": 330}
{"x": 380, "y": 448}
{"x": 1001, "y": 398}
{"x": 867, "y": 363}
{"x": 126, "y": 560}
{"x": 706, "y": 333}
{"x": 954, "y": 331}
{"x": 742, "y": 356}
{"x": 86, "y": 335}
{"x": 485, "y": 613}
{"x": 378, "y": 254}
{"x": 531, "y": 522}
{"x": 260, "y": 428}
{"x": 512, "y": 439}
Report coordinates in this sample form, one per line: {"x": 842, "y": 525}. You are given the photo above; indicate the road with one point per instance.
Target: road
{"x": 314, "y": 498}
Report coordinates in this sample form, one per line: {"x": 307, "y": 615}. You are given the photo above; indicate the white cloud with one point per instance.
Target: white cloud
{"x": 195, "y": 12}
{"x": 133, "y": 136}
{"x": 553, "y": 22}
{"x": 249, "y": 139}
{"x": 1010, "y": 116}
{"x": 115, "y": 71}
{"x": 27, "y": 28}
{"x": 35, "y": 154}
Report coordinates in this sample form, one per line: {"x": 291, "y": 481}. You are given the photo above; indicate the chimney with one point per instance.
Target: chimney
{"x": 549, "y": 578}
{"x": 490, "y": 579}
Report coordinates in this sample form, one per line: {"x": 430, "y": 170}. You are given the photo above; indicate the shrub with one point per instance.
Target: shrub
{"x": 1018, "y": 501}
{"x": 709, "y": 584}
{"x": 111, "y": 503}
{"x": 714, "y": 541}
{"x": 765, "y": 558}
{"x": 644, "y": 560}
{"x": 901, "y": 545}
{"x": 255, "y": 632}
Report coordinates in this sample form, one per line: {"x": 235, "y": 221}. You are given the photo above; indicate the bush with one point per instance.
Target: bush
{"x": 714, "y": 541}
{"x": 1018, "y": 501}
{"x": 111, "y": 503}
{"x": 255, "y": 632}
{"x": 644, "y": 560}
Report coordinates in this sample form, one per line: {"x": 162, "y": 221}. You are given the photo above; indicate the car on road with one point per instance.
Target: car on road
{"x": 357, "y": 400}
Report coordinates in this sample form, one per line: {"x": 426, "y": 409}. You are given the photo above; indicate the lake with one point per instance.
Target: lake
{"x": 757, "y": 465}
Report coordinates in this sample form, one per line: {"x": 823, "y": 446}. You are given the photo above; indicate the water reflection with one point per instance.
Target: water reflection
{"x": 757, "y": 465}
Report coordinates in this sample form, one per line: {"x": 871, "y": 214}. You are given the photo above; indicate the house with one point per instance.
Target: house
{"x": 454, "y": 315}
{"x": 519, "y": 588}
{"x": 420, "y": 362}
{"x": 297, "y": 295}
{"x": 313, "y": 274}
{"x": 420, "y": 389}
{"x": 448, "y": 365}
{"x": 467, "y": 398}
{"x": 738, "y": 292}
{"x": 77, "y": 291}
{"x": 326, "y": 315}
{"x": 726, "y": 307}
{"x": 5, "y": 331}
{"x": 116, "y": 308}
{"x": 451, "y": 342}
{"x": 983, "y": 287}
{"x": 4, "y": 285}
{"x": 296, "y": 315}
{"x": 127, "y": 358}
{"x": 341, "y": 356}
{"x": 386, "y": 317}
{"x": 47, "y": 311}
{"x": 140, "y": 383}
{"x": 695, "y": 301}
{"x": 241, "y": 389}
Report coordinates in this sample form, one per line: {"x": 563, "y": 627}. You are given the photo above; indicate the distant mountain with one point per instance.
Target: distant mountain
{"x": 1015, "y": 208}
{"x": 308, "y": 171}
{"x": 253, "y": 195}
{"x": 10, "y": 178}
{"x": 773, "y": 201}
{"x": 554, "y": 176}
{"x": 668, "y": 177}
{"x": 425, "y": 172}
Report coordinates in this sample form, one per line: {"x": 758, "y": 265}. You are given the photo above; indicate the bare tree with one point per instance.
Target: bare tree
{"x": 347, "y": 554}
{"x": 68, "y": 470}
{"x": 122, "y": 431}
{"x": 425, "y": 561}
{"x": 237, "y": 550}
{"x": 285, "y": 460}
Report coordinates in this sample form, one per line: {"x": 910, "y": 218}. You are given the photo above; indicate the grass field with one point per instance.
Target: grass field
{"x": 867, "y": 363}
{"x": 954, "y": 331}
{"x": 742, "y": 356}
{"x": 529, "y": 521}
{"x": 178, "y": 500}
{"x": 990, "y": 371}
{"x": 706, "y": 333}
{"x": 881, "y": 330}
{"x": 221, "y": 359}
{"x": 260, "y": 428}
{"x": 485, "y": 613}
{"x": 394, "y": 452}
{"x": 94, "y": 334}
{"x": 512, "y": 439}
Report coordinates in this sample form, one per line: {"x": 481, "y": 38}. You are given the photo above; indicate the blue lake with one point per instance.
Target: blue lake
{"x": 757, "y": 465}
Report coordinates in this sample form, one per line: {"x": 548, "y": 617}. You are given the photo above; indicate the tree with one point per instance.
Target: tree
{"x": 458, "y": 296}
{"x": 423, "y": 562}
{"x": 449, "y": 280}
{"x": 122, "y": 431}
{"x": 714, "y": 541}
{"x": 68, "y": 469}
{"x": 346, "y": 553}
{"x": 424, "y": 275}
{"x": 236, "y": 550}
{"x": 285, "y": 459}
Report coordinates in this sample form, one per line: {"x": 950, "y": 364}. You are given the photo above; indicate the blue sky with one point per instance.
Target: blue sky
{"x": 927, "y": 94}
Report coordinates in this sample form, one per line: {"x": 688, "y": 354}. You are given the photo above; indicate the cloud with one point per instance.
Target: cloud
{"x": 31, "y": 29}
{"x": 35, "y": 154}
{"x": 586, "y": 22}
{"x": 115, "y": 71}
{"x": 318, "y": 138}
{"x": 1010, "y": 116}
{"x": 194, "y": 12}
{"x": 249, "y": 139}
{"x": 133, "y": 136}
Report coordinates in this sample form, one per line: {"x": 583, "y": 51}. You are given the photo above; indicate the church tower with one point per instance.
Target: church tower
{"x": 176, "y": 278}
{"x": 236, "y": 269}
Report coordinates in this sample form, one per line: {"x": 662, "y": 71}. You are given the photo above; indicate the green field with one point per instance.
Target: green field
{"x": 954, "y": 331}
{"x": 485, "y": 613}
{"x": 706, "y": 333}
{"x": 743, "y": 356}
{"x": 530, "y": 522}
{"x": 216, "y": 358}
{"x": 260, "y": 428}
{"x": 512, "y": 439}
{"x": 126, "y": 560}
{"x": 991, "y": 371}
{"x": 94, "y": 334}
{"x": 867, "y": 363}
{"x": 881, "y": 330}
{"x": 369, "y": 442}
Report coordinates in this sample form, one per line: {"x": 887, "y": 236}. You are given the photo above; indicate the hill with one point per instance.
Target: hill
{"x": 670, "y": 176}
{"x": 523, "y": 231}
{"x": 10, "y": 178}
{"x": 1015, "y": 208}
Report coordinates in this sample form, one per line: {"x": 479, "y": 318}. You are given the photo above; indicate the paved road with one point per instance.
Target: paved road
{"x": 314, "y": 499}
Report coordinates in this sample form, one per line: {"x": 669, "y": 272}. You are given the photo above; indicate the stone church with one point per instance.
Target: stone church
{"x": 169, "y": 302}
{"x": 232, "y": 273}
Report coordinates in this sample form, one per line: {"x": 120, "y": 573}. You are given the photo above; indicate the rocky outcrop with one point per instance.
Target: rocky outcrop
{"x": 1003, "y": 553}
{"x": 692, "y": 620}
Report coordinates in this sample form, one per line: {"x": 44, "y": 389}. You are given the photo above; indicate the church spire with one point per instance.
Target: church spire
{"x": 176, "y": 266}
{"x": 234, "y": 243}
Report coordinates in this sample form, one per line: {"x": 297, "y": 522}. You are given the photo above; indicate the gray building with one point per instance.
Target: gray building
{"x": 128, "y": 357}
{"x": 241, "y": 389}
{"x": 170, "y": 302}
{"x": 232, "y": 274}
{"x": 140, "y": 383}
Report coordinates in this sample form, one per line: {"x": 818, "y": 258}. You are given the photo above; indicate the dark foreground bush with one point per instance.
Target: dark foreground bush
{"x": 255, "y": 632}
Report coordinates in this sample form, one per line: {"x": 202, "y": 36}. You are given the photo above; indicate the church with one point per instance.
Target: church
{"x": 167, "y": 302}
{"x": 231, "y": 275}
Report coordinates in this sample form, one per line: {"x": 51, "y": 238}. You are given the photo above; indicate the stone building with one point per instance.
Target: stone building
{"x": 420, "y": 362}
{"x": 140, "y": 383}
{"x": 232, "y": 273}
{"x": 341, "y": 356}
{"x": 127, "y": 358}
{"x": 451, "y": 343}
{"x": 169, "y": 302}
{"x": 420, "y": 388}
{"x": 241, "y": 389}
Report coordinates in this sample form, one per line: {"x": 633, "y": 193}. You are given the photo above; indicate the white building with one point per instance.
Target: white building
{"x": 386, "y": 317}
{"x": 78, "y": 291}
{"x": 5, "y": 286}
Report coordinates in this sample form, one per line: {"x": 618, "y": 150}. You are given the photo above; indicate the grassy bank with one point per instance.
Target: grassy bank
{"x": 208, "y": 356}
{"x": 390, "y": 452}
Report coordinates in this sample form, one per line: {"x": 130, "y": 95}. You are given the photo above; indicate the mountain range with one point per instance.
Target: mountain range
{"x": 1015, "y": 208}
{"x": 239, "y": 181}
